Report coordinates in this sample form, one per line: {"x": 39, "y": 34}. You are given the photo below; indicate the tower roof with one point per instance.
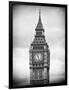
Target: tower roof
{"x": 39, "y": 25}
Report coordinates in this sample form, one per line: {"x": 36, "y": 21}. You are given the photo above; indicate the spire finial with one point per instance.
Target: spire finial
{"x": 40, "y": 12}
{"x": 39, "y": 25}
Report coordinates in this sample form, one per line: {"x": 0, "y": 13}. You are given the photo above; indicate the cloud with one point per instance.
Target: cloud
{"x": 21, "y": 63}
{"x": 25, "y": 20}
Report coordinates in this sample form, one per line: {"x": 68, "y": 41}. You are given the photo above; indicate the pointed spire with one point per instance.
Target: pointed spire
{"x": 39, "y": 25}
{"x": 40, "y": 14}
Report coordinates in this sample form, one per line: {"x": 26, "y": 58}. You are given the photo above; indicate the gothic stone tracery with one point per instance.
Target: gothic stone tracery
{"x": 39, "y": 57}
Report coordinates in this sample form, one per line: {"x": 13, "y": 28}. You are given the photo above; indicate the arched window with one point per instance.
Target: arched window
{"x": 36, "y": 74}
{"x": 40, "y": 74}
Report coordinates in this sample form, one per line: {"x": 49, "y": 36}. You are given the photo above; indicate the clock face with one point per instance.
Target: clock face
{"x": 38, "y": 57}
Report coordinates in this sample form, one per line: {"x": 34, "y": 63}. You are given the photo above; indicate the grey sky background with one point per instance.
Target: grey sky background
{"x": 25, "y": 19}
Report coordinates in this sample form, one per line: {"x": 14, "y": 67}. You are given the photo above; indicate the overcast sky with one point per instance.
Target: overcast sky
{"x": 25, "y": 19}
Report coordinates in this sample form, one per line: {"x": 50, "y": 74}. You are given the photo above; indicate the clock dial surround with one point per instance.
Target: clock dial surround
{"x": 38, "y": 57}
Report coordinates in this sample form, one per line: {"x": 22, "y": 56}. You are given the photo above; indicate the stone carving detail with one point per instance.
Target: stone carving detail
{"x": 39, "y": 57}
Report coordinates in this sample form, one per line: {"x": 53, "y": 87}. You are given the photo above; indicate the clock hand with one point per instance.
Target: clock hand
{"x": 38, "y": 56}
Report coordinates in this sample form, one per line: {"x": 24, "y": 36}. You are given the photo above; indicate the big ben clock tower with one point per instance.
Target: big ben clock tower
{"x": 39, "y": 57}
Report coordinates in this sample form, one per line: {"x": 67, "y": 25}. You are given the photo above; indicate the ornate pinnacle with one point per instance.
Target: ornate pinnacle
{"x": 39, "y": 25}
